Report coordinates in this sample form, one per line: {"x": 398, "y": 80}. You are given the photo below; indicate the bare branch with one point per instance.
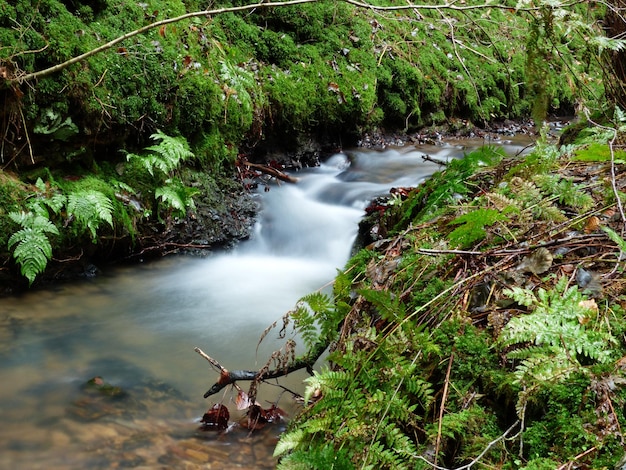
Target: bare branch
{"x": 230, "y": 377}
{"x": 20, "y": 78}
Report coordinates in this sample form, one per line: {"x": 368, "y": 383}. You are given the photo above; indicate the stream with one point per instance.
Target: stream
{"x": 136, "y": 327}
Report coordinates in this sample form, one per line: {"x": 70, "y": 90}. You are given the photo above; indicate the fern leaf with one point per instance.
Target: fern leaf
{"x": 171, "y": 197}
{"x": 32, "y": 246}
{"x": 165, "y": 156}
{"x": 521, "y": 296}
{"x": 175, "y": 195}
{"x": 90, "y": 208}
{"x": 288, "y": 442}
{"x": 472, "y": 226}
{"x": 614, "y": 236}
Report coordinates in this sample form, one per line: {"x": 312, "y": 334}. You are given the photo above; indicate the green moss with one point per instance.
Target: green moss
{"x": 597, "y": 152}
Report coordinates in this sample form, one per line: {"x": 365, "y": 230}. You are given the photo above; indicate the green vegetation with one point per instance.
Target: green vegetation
{"x": 506, "y": 356}
{"x": 257, "y": 81}
{"x": 77, "y": 209}
{"x": 488, "y": 313}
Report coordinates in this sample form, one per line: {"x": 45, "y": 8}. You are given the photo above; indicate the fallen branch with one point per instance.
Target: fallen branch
{"x": 229, "y": 377}
{"x": 428, "y": 158}
{"x": 268, "y": 170}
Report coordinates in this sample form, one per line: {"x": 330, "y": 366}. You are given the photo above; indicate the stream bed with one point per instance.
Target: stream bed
{"x": 136, "y": 328}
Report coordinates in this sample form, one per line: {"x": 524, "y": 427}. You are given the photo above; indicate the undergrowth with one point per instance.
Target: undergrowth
{"x": 485, "y": 330}
{"x": 61, "y": 212}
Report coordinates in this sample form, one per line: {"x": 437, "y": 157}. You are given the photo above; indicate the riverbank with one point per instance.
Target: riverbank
{"x": 481, "y": 322}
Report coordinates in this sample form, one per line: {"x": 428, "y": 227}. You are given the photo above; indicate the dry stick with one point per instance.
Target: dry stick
{"x": 268, "y": 170}
{"x": 582, "y": 454}
{"x": 443, "y": 405}
{"x": 30, "y": 147}
{"x": 448, "y": 6}
{"x": 613, "y": 175}
{"x": 480, "y": 456}
{"x": 614, "y": 182}
{"x": 230, "y": 377}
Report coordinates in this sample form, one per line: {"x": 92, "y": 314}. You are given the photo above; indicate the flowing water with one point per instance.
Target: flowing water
{"x": 136, "y": 327}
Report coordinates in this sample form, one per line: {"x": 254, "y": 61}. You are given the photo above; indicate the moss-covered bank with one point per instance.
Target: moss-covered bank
{"x": 480, "y": 325}
{"x": 256, "y": 83}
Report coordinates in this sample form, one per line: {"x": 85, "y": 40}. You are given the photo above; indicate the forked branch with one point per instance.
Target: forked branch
{"x": 229, "y": 377}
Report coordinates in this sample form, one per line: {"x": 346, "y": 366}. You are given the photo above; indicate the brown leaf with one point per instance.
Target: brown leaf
{"x": 593, "y": 223}
{"x": 162, "y": 30}
{"x": 243, "y": 400}
{"x": 255, "y": 419}
{"x": 216, "y": 418}
{"x": 333, "y": 87}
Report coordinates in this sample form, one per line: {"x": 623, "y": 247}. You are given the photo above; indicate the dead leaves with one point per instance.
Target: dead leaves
{"x": 217, "y": 418}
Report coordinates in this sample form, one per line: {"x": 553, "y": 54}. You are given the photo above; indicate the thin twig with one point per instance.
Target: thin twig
{"x": 479, "y": 456}
{"x": 582, "y": 454}
{"x": 443, "y": 405}
{"x": 614, "y": 183}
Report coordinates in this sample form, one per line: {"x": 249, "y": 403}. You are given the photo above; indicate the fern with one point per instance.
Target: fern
{"x": 614, "y": 236}
{"x": 176, "y": 196}
{"x": 90, "y": 208}
{"x": 472, "y": 226}
{"x": 32, "y": 246}
{"x": 165, "y": 156}
{"x": 288, "y": 441}
{"x": 559, "y": 320}
{"x": 445, "y": 187}
{"x": 316, "y": 319}
{"x": 567, "y": 192}
{"x": 238, "y": 81}
{"x": 529, "y": 198}
{"x": 46, "y": 199}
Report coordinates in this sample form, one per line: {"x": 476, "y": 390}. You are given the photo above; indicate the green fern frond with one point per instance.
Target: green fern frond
{"x": 175, "y": 195}
{"x": 326, "y": 382}
{"x": 521, "y": 296}
{"x": 90, "y": 208}
{"x": 559, "y": 320}
{"x": 565, "y": 189}
{"x": 316, "y": 318}
{"x": 472, "y": 226}
{"x": 525, "y": 191}
{"x": 501, "y": 202}
{"x": 388, "y": 306}
{"x": 548, "y": 212}
{"x": 288, "y": 442}
{"x": 165, "y": 156}
{"x": 605, "y": 43}
{"x": 32, "y": 246}
{"x": 46, "y": 197}
{"x": 615, "y": 237}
